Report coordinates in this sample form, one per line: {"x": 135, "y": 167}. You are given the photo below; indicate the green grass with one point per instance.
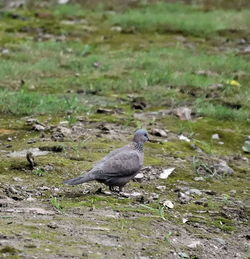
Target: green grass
{"x": 165, "y": 17}
{"x": 27, "y": 103}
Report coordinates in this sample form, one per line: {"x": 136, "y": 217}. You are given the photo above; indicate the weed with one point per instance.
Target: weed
{"x": 39, "y": 172}
{"x": 56, "y": 203}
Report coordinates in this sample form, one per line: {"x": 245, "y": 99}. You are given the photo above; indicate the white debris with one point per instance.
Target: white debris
{"x": 184, "y": 220}
{"x": 166, "y": 172}
{"x": 215, "y": 136}
{"x": 62, "y": 1}
{"x": 184, "y": 138}
{"x": 169, "y": 204}
{"x": 139, "y": 176}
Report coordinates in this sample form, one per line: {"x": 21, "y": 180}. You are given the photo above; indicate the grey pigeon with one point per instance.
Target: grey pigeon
{"x": 119, "y": 166}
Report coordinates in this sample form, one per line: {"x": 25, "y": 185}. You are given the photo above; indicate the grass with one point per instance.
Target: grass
{"x": 27, "y": 103}
{"x": 166, "y": 17}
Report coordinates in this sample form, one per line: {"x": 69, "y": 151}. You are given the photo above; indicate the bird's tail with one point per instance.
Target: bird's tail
{"x": 80, "y": 179}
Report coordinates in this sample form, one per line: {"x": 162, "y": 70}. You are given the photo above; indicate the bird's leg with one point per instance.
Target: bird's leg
{"x": 120, "y": 188}
{"x": 113, "y": 189}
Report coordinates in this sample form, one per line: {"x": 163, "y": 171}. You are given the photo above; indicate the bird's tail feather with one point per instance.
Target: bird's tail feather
{"x": 80, "y": 179}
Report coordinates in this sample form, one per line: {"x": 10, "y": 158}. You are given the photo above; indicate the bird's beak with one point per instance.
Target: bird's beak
{"x": 148, "y": 139}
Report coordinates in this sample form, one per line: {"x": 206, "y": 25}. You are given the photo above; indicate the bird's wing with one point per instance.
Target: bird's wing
{"x": 111, "y": 154}
{"x": 120, "y": 165}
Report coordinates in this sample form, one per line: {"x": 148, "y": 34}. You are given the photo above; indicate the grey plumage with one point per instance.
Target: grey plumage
{"x": 119, "y": 166}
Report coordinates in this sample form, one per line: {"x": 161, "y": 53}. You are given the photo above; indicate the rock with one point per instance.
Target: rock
{"x": 194, "y": 244}
{"x": 183, "y": 255}
{"x": 184, "y": 113}
{"x": 161, "y": 188}
{"x": 104, "y": 111}
{"x": 232, "y": 192}
{"x": 168, "y": 204}
{"x": 209, "y": 192}
{"x": 154, "y": 196}
{"x": 38, "y": 127}
{"x": 215, "y": 136}
{"x": 222, "y": 168}
{"x": 9, "y": 139}
{"x": 221, "y": 142}
{"x": 116, "y": 28}
{"x": 220, "y": 241}
{"x": 184, "y": 220}
{"x": 17, "y": 179}
{"x": 62, "y": 1}
{"x": 198, "y": 179}
{"x": 65, "y": 131}
{"x": 52, "y": 225}
{"x": 246, "y": 145}
{"x": 139, "y": 177}
{"x": 30, "y": 199}
{"x": 166, "y": 172}
{"x": 32, "y": 121}
{"x": 159, "y": 132}
{"x": 184, "y": 198}
{"x": 63, "y": 123}
{"x": 184, "y": 138}
{"x": 193, "y": 191}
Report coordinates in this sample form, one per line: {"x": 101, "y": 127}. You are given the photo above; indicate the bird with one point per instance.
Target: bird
{"x": 118, "y": 167}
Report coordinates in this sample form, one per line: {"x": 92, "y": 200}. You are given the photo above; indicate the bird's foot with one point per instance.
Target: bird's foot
{"x": 113, "y": 189}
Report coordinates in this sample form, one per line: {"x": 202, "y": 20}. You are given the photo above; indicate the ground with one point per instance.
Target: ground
{"x": 76, "y": 80}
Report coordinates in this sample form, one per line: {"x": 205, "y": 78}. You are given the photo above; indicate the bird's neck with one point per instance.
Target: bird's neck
{"x": 138, "y": 146}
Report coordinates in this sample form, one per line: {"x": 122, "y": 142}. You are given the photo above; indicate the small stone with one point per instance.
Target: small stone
{"x": 183, "y": 255}
{"x": 184, "y": 220}
{"x": 116, "y": 28}
{"x": 65, "y": 131}
{"x": 194, "y": 191}
{"x": 135, "y": 194}
{"x": 38, "y": 127}
{"x": 17, "y": 179}
{"x": 9, "y": 139}
{"x": 154, "y": 196}
{"x": 52, "y": 225}
{"x": 209, "y": 192}
{"x": 194, "y": 244}
{"x": 168, "y": 204}
{"x": 198, "y": 179}
{"x": 221, "y": 142}
{"x": 246, "y": 145}
{"x": 220, "y": 241}
{"x": 184, "y": 198}
{"x": 5, "y": 51}
{"x": 161, "y": 188}
{"x": 184, "y": 138}
{"x": 166, "y": 172}
{"x": 30, "y": 199}
{"x": 139, "y": 177}
{"x": 232, "y": 192}
{"x": 159, "y": 132}
{"x": 215, "y": 136}
{"x": 222, "y": 168}
{"x": 64, "y": 123}
{"x": 184, "y": 113}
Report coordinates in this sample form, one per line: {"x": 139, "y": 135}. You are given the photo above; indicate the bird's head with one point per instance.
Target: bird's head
{"x": 141, "y": 136}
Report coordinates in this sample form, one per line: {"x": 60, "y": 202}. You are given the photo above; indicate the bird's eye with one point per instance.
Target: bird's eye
{"x": 145, "y": 135}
